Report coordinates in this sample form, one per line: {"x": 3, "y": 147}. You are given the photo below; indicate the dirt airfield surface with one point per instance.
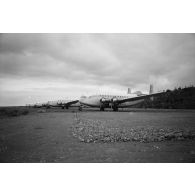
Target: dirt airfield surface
{"x": 135, "y": 135}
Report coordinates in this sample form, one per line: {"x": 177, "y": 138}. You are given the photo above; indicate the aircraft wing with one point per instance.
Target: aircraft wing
{"x": 139, "y": 98}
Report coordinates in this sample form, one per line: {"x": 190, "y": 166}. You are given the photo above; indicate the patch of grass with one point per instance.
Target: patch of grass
{"x": 41, "y": 111}
{"x": 3, "y": 146}
{"x": 10, "y": 112}
{"x": 13, "y": 113}
{"x": 38, "y": 127}
{"x": 25, "y": 112}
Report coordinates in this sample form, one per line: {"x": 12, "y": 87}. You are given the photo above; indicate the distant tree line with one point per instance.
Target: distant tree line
{"x": 180, "y": 98}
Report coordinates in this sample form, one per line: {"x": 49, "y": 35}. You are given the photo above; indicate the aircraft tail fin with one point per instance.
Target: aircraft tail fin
{"x": 129, "y": 91}
{"x": 151, "y": 89}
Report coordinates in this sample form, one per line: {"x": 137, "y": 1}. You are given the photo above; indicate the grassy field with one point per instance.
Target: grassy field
{"x": 56, "y": 135}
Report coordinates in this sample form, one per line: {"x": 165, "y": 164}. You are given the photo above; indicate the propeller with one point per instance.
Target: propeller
{"x": 114, "y": 104}
{"x": 59, "y": 103}
{"x": 103, "y": 103}
{"x": 114, "y": 100}
{"x": 103, "y": 100}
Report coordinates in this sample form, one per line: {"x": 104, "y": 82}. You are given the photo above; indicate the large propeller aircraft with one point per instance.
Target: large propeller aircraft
{"x": 113, "y": 102}
{"x": 103, "y": 101}
{"x": 60, "y": 103}
{"x": 67, "y": 103}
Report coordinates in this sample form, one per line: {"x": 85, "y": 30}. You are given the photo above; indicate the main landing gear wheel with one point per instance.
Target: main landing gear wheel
{"x": 101, "y": 108}
{"x": 115, "y": 109}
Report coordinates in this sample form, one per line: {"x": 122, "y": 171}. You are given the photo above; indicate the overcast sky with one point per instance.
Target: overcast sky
{"x": 42, "y": 67}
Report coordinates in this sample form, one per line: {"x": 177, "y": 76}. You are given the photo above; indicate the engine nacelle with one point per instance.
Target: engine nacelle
{"x": 103, "y": 100}
{"x": 59, "y": 102}
{"x": 114, "y": 100}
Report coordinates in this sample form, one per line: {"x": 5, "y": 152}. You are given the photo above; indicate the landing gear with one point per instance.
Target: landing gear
{"x": 80, "y": 108}
{"x": 115, "y": 108}
{"x": 101, "y": 108}
{"x": 63, "y": 107}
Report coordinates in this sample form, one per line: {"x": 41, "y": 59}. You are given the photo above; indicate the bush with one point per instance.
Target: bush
{"x": 176, "y": 99}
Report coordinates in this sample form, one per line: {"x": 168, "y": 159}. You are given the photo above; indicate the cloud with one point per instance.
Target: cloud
{"x": 88, "y": 62}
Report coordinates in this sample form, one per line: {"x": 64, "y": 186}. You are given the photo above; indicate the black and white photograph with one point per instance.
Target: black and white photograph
{"x": 97, "y": 97}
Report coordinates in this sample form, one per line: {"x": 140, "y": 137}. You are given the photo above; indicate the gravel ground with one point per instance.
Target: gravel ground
{"x": 88, "y": 130}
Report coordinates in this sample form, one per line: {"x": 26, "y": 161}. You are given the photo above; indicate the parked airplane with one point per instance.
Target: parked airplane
{"x": 67, "y": 103}
{"x": 60, "y": 103}
{"x": 116, "y": 101}
{"x": 38, "y": 105}
{"x": 103, "y": 101}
